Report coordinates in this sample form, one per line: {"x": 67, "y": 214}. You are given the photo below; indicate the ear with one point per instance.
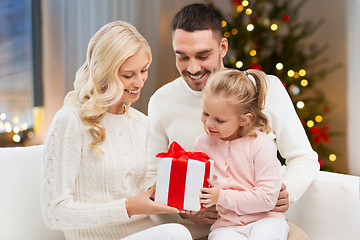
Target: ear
{"x": 245, "y": 119}
{"x": 224, "y": 45}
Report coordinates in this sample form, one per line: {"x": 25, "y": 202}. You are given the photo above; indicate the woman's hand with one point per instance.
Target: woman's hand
{"x": 210, "y": 196}
{"x": 142, "y": 204}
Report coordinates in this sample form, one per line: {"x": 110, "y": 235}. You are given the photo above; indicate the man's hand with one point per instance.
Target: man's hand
{"x": 203, "y": 217}
{"x": 282, "y": 204}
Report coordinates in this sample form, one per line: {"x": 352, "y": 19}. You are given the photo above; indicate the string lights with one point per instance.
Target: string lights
{"x": 13, "y": 127}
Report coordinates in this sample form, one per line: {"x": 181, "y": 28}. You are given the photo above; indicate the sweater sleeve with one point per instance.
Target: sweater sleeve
{"x": 267, "y": 175}
{"x": 60, "y": 169}
{"x": 157, "y": 139}
{"x": 291, "y": 139}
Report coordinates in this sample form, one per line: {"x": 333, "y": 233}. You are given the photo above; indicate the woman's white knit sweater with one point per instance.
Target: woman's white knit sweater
{"x": 84, "y": 195}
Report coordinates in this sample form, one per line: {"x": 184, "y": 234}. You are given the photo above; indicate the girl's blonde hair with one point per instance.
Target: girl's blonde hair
{"x": 97, "y": 83}
{"x": 245, "y": 91}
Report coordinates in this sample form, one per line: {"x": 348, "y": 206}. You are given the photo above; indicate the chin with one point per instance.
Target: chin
{"x": 214, "y": 135}
{"x": 132, "y": 100}
{"x": 195, "y": 86}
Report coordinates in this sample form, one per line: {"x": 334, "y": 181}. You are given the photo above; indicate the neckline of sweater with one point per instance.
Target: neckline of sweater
{"x": 183, "y": 83}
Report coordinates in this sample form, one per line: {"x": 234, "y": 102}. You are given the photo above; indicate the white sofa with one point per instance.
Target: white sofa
{"x": 329, "y": 210}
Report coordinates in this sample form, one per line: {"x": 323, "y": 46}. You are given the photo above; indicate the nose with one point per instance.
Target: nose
{"x": 209, "y": 123}
{"x": 139, "y": 82}
{"x": 193, "y": 66}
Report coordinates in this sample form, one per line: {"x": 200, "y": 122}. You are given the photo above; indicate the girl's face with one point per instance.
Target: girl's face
{"x": 220, "y": 119}
{"x": 133, "y": 74}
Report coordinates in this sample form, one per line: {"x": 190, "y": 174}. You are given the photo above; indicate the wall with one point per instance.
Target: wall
{"x": 353, "y": 85}
{"x": 333, "y": 33}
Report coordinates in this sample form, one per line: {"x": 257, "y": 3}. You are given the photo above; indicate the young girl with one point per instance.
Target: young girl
{"x": 247, "y": 174}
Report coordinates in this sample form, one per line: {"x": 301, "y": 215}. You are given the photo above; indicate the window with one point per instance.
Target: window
{"x": 20, "y": 68}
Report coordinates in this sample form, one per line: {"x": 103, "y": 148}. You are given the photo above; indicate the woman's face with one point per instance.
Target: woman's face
{"x": 133, "y": 74}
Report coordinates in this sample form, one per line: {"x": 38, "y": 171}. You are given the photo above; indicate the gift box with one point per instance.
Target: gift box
{"x": 181, "y": 175}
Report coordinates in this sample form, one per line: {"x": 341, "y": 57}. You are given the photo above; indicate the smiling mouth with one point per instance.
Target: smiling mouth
{"x": 133, "y": 92}
{"x": 197, "y": 78}
{"x": 213, "y": 132}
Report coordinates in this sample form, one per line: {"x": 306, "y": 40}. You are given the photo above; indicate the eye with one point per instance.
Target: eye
{"x": 182, "y": 58}
{"x": 205, "y": 114}
{"x": 219, "y": 121}
{"x": 144, "y": 70}
{"x": 127, "y": 76}
{"x": 203, "y": 57}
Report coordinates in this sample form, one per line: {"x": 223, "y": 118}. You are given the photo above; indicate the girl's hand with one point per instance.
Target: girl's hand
{"x": 142, "y": 204}
{"x": 209, "y": 196}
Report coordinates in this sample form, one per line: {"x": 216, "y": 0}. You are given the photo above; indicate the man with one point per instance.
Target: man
{"x": 175, "y": 109}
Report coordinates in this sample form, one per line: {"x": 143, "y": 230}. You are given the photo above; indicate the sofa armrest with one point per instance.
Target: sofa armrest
{"x": 330, "y": 208}
{"x": 20, "y": 210}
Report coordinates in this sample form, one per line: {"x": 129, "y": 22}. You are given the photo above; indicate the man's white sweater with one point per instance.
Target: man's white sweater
{"x": 175, "y": 111}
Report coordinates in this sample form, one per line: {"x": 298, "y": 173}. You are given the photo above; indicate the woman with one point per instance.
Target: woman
{"x": 94, "y": 159}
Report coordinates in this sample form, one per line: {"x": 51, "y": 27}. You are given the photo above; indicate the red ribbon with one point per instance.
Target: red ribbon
{"x": 179, "y": 164}
{"x": 177, "y": 183}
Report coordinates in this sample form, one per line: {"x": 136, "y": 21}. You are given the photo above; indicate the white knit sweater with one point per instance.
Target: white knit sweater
{"x": 175, "y": 111}
{"x": 85, "y": 195}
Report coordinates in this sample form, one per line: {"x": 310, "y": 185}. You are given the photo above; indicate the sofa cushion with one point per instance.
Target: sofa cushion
{"x": 20, "y": 210}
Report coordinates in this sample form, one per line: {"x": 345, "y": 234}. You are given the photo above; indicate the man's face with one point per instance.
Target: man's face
{"x": 198, "y": 55}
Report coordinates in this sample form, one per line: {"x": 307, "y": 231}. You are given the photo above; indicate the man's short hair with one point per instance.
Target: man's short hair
{"x": 197, "y": 17}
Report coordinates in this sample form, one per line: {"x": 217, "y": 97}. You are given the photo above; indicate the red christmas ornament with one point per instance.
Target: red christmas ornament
{"x": 302, "y": 122}
{"x": 253, "y": 18}
{"x": 321, "y": 162}
{"x": 326, "y": 109}
{"x": 320, "y": 134}
{"x": 286, "y": 18}
{"x": 237, "y": 2}
{"x": 255, "y": 66}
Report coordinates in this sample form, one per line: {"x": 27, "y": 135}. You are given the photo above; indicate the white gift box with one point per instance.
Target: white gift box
{"x": 179, "y": 182}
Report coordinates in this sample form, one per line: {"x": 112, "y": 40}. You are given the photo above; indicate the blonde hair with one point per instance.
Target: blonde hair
{"x": 97, "y": 83}
{"x": 245, "y": 91}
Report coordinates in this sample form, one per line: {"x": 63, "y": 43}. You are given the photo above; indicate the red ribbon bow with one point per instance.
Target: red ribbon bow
{"x": 176, "y": 151}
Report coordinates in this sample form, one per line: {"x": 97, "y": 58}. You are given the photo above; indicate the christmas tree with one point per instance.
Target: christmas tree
{"x": 267, "y": 35}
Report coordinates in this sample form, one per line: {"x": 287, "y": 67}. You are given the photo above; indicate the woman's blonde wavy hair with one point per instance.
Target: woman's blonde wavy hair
{"x": 244, "y": 94}
{"x": 97, "y": 83}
